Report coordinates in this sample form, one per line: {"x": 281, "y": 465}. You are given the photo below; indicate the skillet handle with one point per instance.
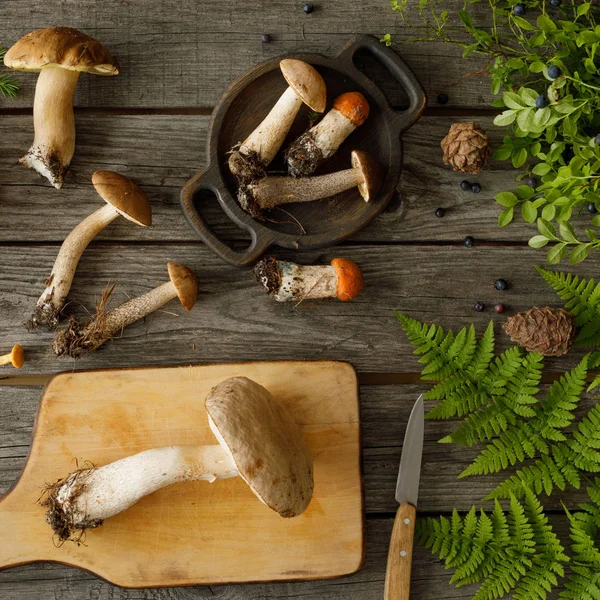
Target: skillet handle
{"x": 398, "y": 69}
{"x": 206, "y": 181}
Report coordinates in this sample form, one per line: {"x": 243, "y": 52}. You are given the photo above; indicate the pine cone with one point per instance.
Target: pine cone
{"x": 466, "y": 147}
{"x": 549, "y": 331}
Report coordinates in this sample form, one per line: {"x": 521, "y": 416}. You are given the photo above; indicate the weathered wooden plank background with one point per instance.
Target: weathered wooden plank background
{"x": 151, "y": 123}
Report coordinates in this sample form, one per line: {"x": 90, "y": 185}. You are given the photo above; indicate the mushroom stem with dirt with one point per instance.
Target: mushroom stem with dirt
{"x": 75, "y": 339}
{"x": 305, "y": 85}
{"x": 59, "y": 54}
{"x": 271, "y": 192}
{"x": 312, "y": 148}
{"x": 122, "y": 197}
{"x": 289, "y": 282}
{"x": 257, "y": 440}
{"x": 16, "y": 357}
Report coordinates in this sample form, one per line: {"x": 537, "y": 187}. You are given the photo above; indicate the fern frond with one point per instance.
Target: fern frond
{"x": 582, "y": 300}
{"x": 516, "y": 552}
{"x": 8, "y": 85}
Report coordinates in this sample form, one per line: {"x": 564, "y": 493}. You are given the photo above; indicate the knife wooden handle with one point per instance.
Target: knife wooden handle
{"x": 397, "y": 575}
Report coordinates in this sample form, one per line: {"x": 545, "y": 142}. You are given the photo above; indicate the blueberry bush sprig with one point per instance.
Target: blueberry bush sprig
{"x": 544, "y": 62}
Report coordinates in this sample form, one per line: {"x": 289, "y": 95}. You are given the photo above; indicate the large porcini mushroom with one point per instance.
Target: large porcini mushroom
{"x": 288, "y": 282}
{"x": 305, "y": 85}
{"x": 16, "y": 357}
{"x": 267, "y": 193}
{"x": 122, "y": 197}
{"x": 60, "y": 54}
{"x": 77, "y": 339}
{"x": 258, "y": 441}
{"x": 306, "y": 154}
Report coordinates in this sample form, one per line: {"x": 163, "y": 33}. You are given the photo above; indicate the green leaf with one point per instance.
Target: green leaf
{"x": 549, "y": 212}
{"x": 541, "y": 169}
{"x": 567, "y": 232}
{"x": 503, "y": 153}
{"x": 546, "y": 229}
{"x": 507, "y": 199}
{"x": 546, "y": 24}
{"x": 524, "y": 192}
{"x": 556, "y": 253}
{"x": 579, "y": 253}
{"x": 582, "y": 9}
{"x": 523, "y": 24}
{"x": 513, "y": 100}
{"x": 537, "y": 67}
{"x": 538, "y": 241}
{"x": 505, "y": 217}
{"x": 528, "y": 95}
{"x": 529, "y": 211}
{"x": 519, "y": 157}
{"x": 505, "y": 118}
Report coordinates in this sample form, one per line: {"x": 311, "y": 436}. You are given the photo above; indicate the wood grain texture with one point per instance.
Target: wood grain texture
{"x": 233, "y": 317}
{"x": 184, "y": 53}
{"x": 193, "y": 533}
{"x": 161, "y": 152}
{"x": 400, "y": 554}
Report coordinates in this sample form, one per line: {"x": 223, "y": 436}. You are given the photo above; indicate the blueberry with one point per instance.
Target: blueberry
{"x": 541, "y": 101}
{"x": 591, "y": 208}
{"x": 308, "y": 8}
{"x": 479, "y": 306}
{"x": 465, "y": 186}
{"x": 553, "y": 72}
{"x": 555, "y": 3}
{"x": 476, "y": 188}
{"x": 469, "y": 242}
{"x": 597, "y": 140}
{"x": 265, "y": 38}
{"x": 519, "y": 10}
{"x": 499, "y": 308}
{"x": 442, "y": 99}
{"x": 500, "y": 284}
{"x": 532, "y": 182}
{"x": 440, "y": 212}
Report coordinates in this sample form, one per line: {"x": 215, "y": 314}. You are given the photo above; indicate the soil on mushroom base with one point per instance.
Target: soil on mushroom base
{"x": 303, "y": 156}
{"x": 45, "y": 315}
{"x": 247, "y": 165}
{"x": 267, "y": 274}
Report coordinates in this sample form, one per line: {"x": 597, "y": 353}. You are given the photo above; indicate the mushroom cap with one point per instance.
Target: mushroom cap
{"x": 306, "y": 81}
{"x": 61, "y": 47}
{"x": 354, "y": 106}
{"x": 17, "y": 356}
{"x": 350, "y": 280}
{"x": 186, "y": 284}
{"x": 124, "y": 195}
{"x": 371, "y": 172}
{"x": 265, "y": 443}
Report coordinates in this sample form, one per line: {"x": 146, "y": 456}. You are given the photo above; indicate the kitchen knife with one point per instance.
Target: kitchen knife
{"x": 397, "y": 576}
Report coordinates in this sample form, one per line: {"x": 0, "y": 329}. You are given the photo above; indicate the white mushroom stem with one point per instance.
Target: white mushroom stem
{"x": 304, "y": 281}
{"x": 92, "y": 495}
{"x": 53, "y": 298}
{"x": 54, "y": 124}
{"x": 273, "y": 191}
{"x": 331, "y": 131}
{"x": 268, "y": 137}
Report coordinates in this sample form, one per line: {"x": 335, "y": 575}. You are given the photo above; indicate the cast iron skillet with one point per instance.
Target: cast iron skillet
{"x": 311, "y": 224}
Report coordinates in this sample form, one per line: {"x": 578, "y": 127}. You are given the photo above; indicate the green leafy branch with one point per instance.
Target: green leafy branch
{"x": 8, "y": 85}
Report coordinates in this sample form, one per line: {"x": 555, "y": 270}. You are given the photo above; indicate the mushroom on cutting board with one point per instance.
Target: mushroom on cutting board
{"x": 267, "y": 193}
{"x": 305, "y": 85}
{"x": 258, "y": 441}
{"x": 122, "y": 197}
{"x": 16, "y": 357}
{"x": 59, "y": 54}
{"x": 288, "y": 282}
{"x": 75, "y": 339}
{"x": 308, "y": 152}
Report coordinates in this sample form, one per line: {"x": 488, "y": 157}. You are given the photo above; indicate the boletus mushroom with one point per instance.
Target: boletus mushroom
{"x": 122, "y": 197}
{"x": 75, "y": 339}
{"x": 308, "y": 152}
{"x": 289, "y": 282}
{"x": 16, "y": 357}
{"x": 305, "y": 85}
{"x": 258, "y": 441}
{"x": 59, "y": 54}
{"x": 270, "y": 192}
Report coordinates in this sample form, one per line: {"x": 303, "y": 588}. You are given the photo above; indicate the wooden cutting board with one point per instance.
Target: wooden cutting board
{"x": 193, "y": 533}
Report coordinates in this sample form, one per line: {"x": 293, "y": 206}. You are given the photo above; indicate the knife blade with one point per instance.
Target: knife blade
{"x": 399, "y": 565}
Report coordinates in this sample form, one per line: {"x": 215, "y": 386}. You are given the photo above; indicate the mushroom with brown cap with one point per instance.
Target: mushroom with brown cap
{"x": 308, "y": 152}
{"x": 270, "y": 192}
{"x": 258, "y": 441}
{"x": 122, "y": 197}
{"x": 75, "y": 340}
{"x": 59, "y": 54}
{"x": 289, "y": 282}
{"x": 305, "y": 85}
{"x": 16, "y": 357}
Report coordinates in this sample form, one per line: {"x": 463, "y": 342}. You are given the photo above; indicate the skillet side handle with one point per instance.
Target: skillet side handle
{"x": 398, "y": 69}
{"x": 202, "y": 181}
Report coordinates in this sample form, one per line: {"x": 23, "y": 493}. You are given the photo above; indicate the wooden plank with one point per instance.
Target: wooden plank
{"x": 234, "y": 320}
{"x": 163, "y": 152}
{"x": 184, "y": 53}
{"x": 384, "y": 414}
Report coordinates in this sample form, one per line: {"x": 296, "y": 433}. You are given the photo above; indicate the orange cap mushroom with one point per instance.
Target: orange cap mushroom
{"x": 354, "y": 106}
{"x": 350, "y": 280}
{"x": 16, "y": 357}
